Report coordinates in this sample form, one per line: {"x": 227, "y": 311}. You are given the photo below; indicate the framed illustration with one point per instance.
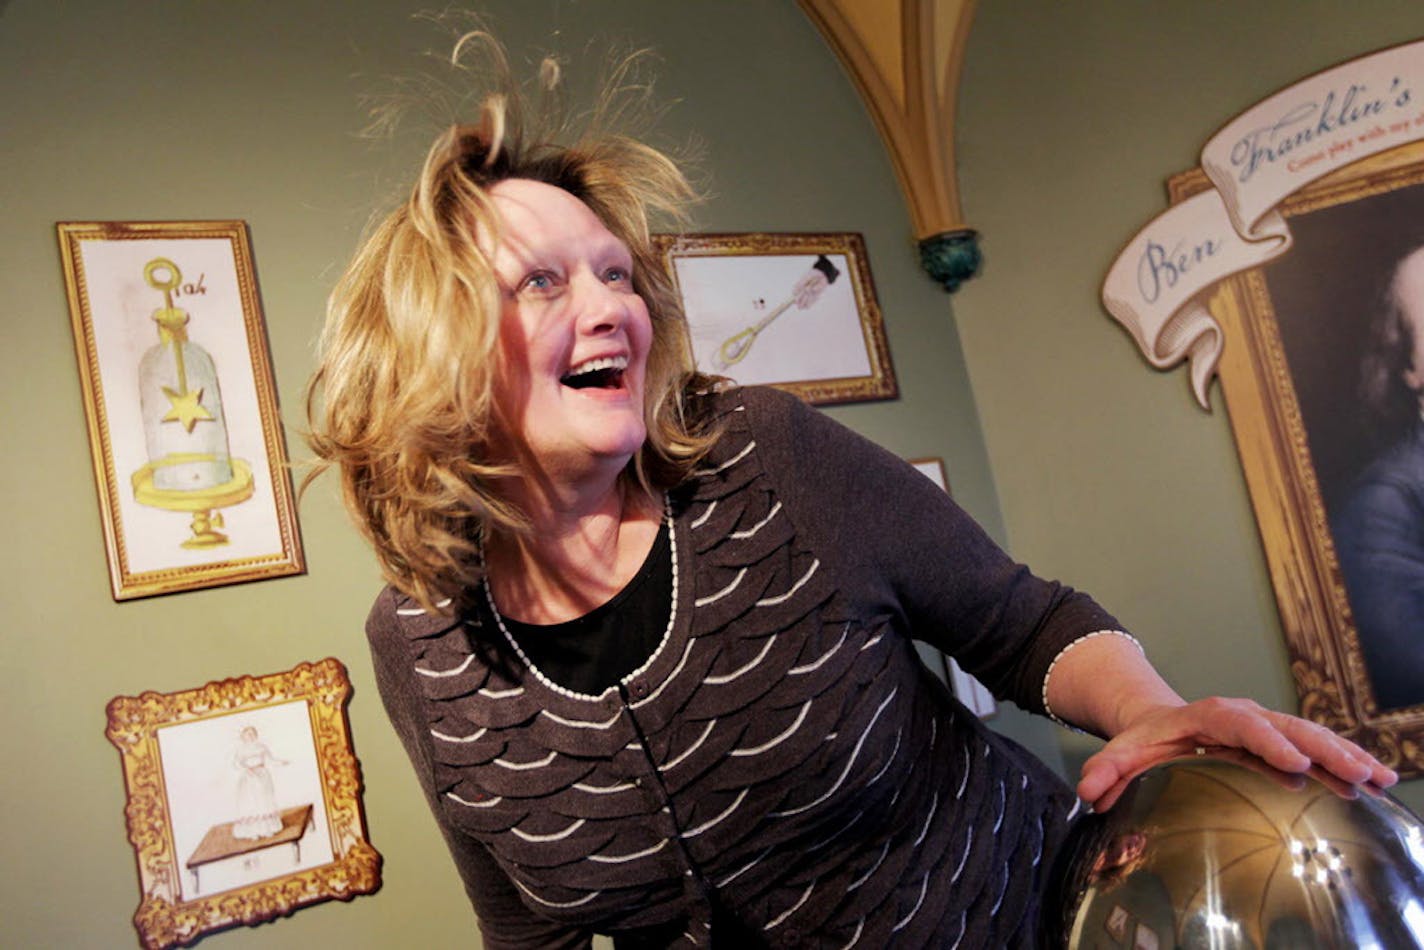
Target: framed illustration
{"x": 933, "y": 469}
{"x": 243, "y": 801}
{"x": 187, "y": 444}
{"x": 794, "y": 311}
{"x": 1323, "y": 372}
{"x": 967, "y": 689}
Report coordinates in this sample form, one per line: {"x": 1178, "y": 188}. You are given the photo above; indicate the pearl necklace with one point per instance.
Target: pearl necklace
{"x": 563, "y": 690}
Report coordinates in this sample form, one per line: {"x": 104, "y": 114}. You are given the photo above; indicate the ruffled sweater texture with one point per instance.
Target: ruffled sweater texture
{"x": 783, "y": 764}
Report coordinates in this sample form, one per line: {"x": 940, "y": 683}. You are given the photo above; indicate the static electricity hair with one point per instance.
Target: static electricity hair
{"x": 401, "y": 403}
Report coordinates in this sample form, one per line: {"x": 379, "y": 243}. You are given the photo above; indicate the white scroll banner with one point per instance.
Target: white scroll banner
{"x": 1157, "y": 285}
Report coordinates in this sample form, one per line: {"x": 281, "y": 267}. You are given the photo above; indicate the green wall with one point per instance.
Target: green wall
{"x": 205, "y": 109}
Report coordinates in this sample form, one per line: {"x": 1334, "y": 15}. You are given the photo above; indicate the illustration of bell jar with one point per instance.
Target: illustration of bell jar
{"x": 189, "y": 465}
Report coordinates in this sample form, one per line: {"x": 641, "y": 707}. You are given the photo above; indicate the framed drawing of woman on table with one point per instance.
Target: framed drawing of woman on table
{"x": 243, "y": 800}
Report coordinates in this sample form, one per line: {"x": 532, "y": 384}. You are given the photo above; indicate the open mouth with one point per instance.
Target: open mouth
{"x": 603, "y": 373}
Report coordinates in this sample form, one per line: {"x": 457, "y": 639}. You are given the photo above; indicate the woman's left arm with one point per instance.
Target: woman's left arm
{"x": 1105, "y": 685}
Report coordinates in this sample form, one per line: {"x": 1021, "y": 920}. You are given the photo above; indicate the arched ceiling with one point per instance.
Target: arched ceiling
{"x": 905, "y": 58}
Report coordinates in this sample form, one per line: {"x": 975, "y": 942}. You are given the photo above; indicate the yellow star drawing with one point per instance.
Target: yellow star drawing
{"x": 186, "y": 408}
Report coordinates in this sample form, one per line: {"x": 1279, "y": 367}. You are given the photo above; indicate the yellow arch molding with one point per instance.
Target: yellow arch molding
{"x": 905, "y": 58}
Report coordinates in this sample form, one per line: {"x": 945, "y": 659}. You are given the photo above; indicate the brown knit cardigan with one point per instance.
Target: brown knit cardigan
{"x": 783, "y": 765}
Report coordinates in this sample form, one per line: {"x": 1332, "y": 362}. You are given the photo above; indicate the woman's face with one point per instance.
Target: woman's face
{"x": 573, "y": 336}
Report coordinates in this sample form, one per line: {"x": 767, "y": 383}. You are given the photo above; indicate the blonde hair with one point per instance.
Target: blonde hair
{"x": 401, "y": 402}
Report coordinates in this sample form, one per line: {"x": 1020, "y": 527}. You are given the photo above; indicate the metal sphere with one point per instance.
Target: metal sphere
{"x": 1227, "y": 852}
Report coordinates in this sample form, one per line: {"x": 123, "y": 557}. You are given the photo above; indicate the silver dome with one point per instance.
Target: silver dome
{"x": 1227, "y": 852}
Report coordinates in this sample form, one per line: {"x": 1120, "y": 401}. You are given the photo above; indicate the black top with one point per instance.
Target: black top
{"x": 591, "y": 653}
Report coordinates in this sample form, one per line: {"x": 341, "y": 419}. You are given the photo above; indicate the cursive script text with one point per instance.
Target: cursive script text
{"x": 1307, "y": 122}
{"x": 1159, "y": 268}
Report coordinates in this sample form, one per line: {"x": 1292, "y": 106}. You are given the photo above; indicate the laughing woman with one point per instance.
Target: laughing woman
{"x": 647, "y": 636}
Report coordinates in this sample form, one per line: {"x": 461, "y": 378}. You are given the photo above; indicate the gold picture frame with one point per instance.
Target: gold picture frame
{"x": 743, "y": 293}
{"x": 243, "y": 801}
{"x": 1296, "y": 329}
{"x": 932, "y": 467}
{"x": 186, "y": 440}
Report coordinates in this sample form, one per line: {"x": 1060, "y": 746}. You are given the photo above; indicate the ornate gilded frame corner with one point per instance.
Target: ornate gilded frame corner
{"x": 307, "y": 704}
{"x": 1270, "y": 431}
{"x": 747, "y": 326}
{"x": 189, "y": 287}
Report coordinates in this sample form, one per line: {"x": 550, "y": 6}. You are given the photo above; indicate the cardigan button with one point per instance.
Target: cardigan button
{"x": 640, "y": 689}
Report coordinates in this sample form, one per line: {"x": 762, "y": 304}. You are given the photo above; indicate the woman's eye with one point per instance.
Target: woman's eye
{"x": 539, "y": 281}
{"x": 617, "y": 275}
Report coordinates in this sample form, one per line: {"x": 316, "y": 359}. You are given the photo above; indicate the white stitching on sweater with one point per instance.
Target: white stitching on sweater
{"x": 454, "y": 671}
{"x": 1061, "y": 653}
{"x": 782, "y": 598}
{"x": 750, "y": 532}
{"x": 718, "y": 595}
{"x": 924, "y": 886}
{"x": 752, "y": 664}
{"x": 776, "y": 740}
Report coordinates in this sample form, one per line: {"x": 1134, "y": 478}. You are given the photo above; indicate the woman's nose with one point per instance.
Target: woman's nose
{"x": 602, "y": 309}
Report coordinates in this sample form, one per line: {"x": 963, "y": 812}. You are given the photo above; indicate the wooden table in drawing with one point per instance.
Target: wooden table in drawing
{"x": 219, "y": 843}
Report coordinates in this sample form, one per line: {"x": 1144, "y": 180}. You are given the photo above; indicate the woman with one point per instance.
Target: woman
{"x": 647, "y": 636}
{"x": 257, "y": 815}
